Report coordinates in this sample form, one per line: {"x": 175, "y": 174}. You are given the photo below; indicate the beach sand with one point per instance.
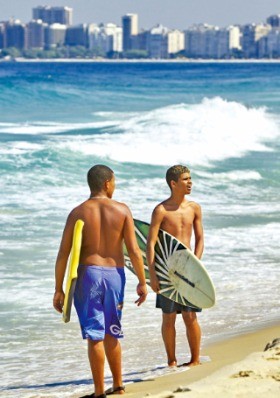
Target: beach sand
{"x": 239, "y": 367}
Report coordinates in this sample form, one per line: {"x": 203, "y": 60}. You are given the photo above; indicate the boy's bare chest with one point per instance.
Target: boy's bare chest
{"x": 177, "y": 221}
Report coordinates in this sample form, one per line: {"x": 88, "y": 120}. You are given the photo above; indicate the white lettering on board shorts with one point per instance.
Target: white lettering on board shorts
{"x": 116, "y": 330}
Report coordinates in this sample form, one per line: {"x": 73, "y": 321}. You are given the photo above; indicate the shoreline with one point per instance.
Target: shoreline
{"x": 224, "y": 354}
{"x": 134, "y": 61}
{"x": 227, "y": 351}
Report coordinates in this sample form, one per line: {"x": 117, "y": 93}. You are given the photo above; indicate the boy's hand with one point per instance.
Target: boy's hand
{"x": 58, "y": 301}
{"x": 154, "y": 283}
{"x": 142, "y": 293}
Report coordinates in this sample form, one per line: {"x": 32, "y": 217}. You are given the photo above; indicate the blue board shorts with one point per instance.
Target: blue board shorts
{"x": 98, "y": 300}
{"x": 168, "y": 306}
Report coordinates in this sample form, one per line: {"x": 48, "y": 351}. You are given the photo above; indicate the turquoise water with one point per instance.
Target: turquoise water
{"x": 56, "y": 121}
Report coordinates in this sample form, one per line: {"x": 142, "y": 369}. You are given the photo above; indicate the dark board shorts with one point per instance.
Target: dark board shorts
{"x": 168, "y": 306}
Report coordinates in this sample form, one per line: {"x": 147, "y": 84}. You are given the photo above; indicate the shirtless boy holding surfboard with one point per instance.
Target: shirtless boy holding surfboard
{"x": 179, "y": 217}
{"x": 99, "y": 290}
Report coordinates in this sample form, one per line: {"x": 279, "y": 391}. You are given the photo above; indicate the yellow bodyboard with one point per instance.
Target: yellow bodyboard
{"x": 72, "y": 270}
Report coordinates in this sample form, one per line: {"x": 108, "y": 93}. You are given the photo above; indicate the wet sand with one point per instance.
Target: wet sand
{"x": 238, "y": 367}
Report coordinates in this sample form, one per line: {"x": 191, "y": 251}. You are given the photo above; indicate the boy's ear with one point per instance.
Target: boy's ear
{"x": 106, "y": 185}
{"x": 172, "y": 183}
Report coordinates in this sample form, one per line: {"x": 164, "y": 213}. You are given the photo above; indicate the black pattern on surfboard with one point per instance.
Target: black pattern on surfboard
{"x": 165, "y": 246}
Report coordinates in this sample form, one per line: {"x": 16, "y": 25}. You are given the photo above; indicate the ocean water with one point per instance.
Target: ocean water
{"x": 56, "y": 121}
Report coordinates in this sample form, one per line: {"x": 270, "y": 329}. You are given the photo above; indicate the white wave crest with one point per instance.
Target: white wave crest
{"x": 37, "y": 128}
{"x": 196, "y": 134}
{"x": 237, "y": 175}
{"x": 213, "y": 130}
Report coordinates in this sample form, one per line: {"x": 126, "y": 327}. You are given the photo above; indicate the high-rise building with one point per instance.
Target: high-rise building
{"x": 114, "y": 32}
{"x": 198, "y": 40}
{"x": 269, "y": 46}
{"x": 248, "y": 41}
{"x": 274, "y": 21}
{"x": 143, "y": 40}
{"x": 130, "y": 30}
{"x": 98, "y": 40}
{"x": 36, "y": 34}
{"x": 51, "y": 15}
{"x": 222, "y": 49}
{"x": 176, "y": 42}
{"x": 2, "y": 35}
{"x": 251, "y": 34}
{"x": 15, "y": 34}
{"x": 55, "y": 35}
{"x": 77, "y": 35}
{"x": 234, "y": 38}
{"x": 194, "y": 41}
{"x": 207, "y": 41}
{"x": 105, "y": 39}
{"x": 262, "y": 31}
{"x": 158, "y": 42}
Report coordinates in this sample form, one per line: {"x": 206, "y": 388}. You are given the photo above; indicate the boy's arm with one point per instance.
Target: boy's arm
{"x": 136, "y": 257}
{"x": 198, "y": 232}
{"x": 156, "y": 221}
{"x": 61, "y": 263}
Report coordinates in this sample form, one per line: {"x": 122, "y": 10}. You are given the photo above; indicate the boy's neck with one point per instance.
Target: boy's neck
{"x": 99, "y": 195}
{"x": 178, "y": 198}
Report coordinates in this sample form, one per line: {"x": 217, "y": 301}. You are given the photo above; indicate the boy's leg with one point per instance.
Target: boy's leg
{"x": 194, "y": 336}
{"x": 113, "y": 303}
{"x": 96, "y": 356}
{"x": 169, "y": 337}
{"x": 114, "y": 356}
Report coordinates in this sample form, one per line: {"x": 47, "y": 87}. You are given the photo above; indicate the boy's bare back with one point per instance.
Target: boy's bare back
{"x": 106, "y": 222}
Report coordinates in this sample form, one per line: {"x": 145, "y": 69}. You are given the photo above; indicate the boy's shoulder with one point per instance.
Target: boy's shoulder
{"x": 87, "y": 204}
{"x": 161, "y": 207}
{"x": 167, "y": 204}
{"x": 193, "y": 203}
{"x": 196, "y": 208}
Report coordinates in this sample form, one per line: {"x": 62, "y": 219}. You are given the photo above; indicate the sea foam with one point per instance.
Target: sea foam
{"x": 197, "y": 134}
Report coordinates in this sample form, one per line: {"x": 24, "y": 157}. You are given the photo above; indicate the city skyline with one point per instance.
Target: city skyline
{"x": 171, "y": 13}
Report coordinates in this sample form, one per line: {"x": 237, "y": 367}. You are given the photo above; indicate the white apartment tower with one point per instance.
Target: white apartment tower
{"x": 175, "y": 41}
{"x": 55, "y": 35}
{"x": 234, "y": 38}
{"x": 105, "y": 38}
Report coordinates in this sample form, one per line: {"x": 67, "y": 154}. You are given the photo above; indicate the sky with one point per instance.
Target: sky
{"x": 171, "y": 13}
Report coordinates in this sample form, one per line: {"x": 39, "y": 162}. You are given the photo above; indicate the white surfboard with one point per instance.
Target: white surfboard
{"x": 182, "y": 276}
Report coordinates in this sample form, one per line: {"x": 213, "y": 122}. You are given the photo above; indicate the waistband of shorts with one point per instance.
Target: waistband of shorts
{"x": 102, "y": 267}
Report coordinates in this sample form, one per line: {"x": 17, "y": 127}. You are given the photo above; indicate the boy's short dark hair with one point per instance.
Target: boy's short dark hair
{"x": 97, "y": 176}
{"x": 174, "y": 172}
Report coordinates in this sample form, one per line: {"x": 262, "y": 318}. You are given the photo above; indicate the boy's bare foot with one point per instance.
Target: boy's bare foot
{"x": 116, "y": 390}
{"x": 172, "y": 364}
{"x": 190, "y": 364}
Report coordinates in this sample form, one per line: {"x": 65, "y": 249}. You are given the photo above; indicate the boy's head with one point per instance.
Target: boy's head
{"x": 97, "y": 176}
{"x": 174, "y": 172}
